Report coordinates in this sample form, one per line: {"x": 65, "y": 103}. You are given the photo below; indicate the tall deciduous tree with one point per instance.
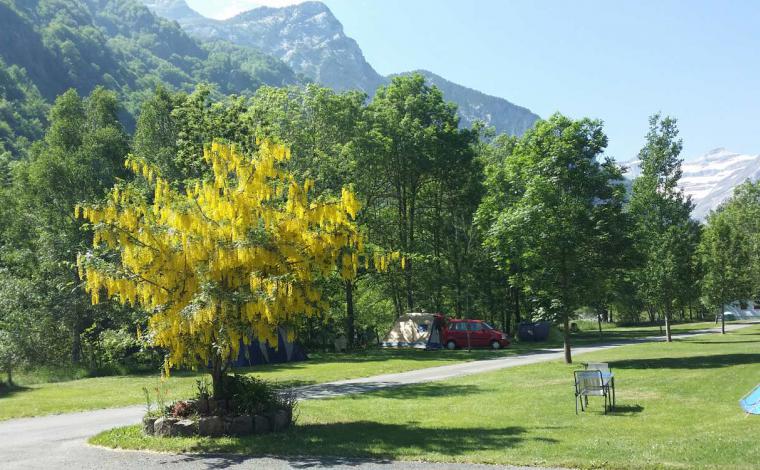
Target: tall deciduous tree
{"x": 80, "y": 158}
{"x": 422, "y": 157}
{"x": 728, "y": 250}
{"x": 559, "y": 215}
{"x": 663, "y": 226}
{"x": 726, "y": 259}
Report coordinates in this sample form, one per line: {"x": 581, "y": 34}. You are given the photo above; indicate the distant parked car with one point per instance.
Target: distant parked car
{"x": 473, "y": 334}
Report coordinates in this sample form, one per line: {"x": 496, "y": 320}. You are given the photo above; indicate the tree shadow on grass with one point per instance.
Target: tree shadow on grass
{"x": 691, "y": 341}
{"x": 313, "y": 445}
{"x": 395, "y": 390}
{"x": 691, "y": 362}
{"x": 8, "y": 391}
{"x": 380, "y": 355}
{"x": 626, "y": 410}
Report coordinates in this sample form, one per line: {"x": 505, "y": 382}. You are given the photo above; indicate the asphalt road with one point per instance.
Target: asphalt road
{"x": 59, "y": 441}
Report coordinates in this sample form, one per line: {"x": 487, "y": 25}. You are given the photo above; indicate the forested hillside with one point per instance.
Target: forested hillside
{"x": 49, "y": 46}
{"x": 474, "y": 106}
{"x": 310, "y": 39}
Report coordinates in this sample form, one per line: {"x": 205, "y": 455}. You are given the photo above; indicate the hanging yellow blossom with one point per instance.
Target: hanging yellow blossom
{"x": 224, "y": 259}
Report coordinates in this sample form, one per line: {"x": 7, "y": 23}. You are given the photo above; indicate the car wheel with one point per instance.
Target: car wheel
{"x": 451, "y": 345}
{"x": 495, "y": 344}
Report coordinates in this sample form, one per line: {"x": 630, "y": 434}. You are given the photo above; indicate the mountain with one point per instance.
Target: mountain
{"x": 312, "y": 42}
{"x": 711, "y": 179}
{"x": 173, "y": 9}
{"x": 52, "y": 45}
{"x": 474, "y": 105}
{"x": 306, "y": 36}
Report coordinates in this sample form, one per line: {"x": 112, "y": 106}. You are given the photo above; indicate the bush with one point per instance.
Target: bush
{"x": 118, "y": 352}
{"x": 252, "y": 395}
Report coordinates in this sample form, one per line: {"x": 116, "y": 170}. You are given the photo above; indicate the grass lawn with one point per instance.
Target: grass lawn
{"x": 677, "y": 408}
{"x": 36, "y": 399}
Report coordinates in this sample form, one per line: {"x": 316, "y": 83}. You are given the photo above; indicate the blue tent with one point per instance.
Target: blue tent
{"x": 528, "y": 331}
{"x": 751, "y": 402}
{"x": 263, "y": 353}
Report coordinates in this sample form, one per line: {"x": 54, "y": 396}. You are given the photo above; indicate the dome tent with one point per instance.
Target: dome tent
{"x": 261, "y": 352}
{"x": 416, "y": 330}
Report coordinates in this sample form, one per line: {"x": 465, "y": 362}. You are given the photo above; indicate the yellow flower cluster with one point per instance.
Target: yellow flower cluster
{"x": 225, "y": 259}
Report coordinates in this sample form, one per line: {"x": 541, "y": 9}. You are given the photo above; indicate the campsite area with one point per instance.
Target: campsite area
{"x": 379, "y": 234}
{"x": 44, "y": 393}
{"x": 677, "y": 408}
{"x": 681, "y": 395}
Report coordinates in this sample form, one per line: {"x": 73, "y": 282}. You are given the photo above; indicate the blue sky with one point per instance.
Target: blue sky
{"x": 698, "y": 61}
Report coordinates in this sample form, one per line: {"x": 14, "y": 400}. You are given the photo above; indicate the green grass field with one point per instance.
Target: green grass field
{"x": 677, "y": 408}
{"x": 37, "y": 397}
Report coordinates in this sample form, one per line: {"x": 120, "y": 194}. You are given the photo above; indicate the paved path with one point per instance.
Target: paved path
{"x": 368, "y": 384}
{"x": 59, "y": 441}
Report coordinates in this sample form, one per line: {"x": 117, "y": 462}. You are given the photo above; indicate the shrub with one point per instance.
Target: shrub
{"x": 117, "y": 352}
{"x": 252, "y": 395}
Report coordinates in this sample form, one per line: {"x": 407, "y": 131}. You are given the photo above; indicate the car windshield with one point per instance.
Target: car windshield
{"x": 486, "y": 326}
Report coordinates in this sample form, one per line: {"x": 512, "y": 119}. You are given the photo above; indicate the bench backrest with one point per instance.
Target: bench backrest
{"x": 602, "y": 366}
{"x": 589, "y": 382}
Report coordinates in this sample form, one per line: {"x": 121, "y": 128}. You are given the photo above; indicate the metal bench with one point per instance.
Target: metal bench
{"x": 591, "y": 383}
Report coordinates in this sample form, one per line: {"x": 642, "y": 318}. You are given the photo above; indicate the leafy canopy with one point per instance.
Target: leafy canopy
{"x": 238, "y": 254}
{"x": 554, "y": 211}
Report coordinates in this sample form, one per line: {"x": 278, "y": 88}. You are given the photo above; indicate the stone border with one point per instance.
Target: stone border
{"x": 217, "y": 426}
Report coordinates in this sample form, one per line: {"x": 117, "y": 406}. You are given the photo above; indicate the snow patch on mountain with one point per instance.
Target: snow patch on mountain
{"x": 711, "y": 179}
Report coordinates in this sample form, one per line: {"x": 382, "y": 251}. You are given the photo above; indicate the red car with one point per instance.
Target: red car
{"x": 473, "y": 334}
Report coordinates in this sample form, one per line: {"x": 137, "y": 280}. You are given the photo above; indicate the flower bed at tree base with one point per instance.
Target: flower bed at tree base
{"x": 253, "y": 406}
{"x": 217, "y": 426}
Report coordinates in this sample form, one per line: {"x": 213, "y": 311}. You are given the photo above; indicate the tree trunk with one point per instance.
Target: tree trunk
{"x": 599, "y": 321}
{"x": 410, "y": 249}
{"x": 650, "y": 312}
{"x": 722, "y": 320}
{"x": 566, "y": 335}
{"x": 9, "y": 371}
{"x": 516, "y": 294}
{"x": 659, "y": 324}
{"x": 458, "y": 284}
{"x": 217, "y": 377}
{"x": 76, "y": 342}
{"x": 668, "y": 336}
{"x": 506, "y": 323}
{"x": 408, "y": 282}
{"x": 350, "y": 329}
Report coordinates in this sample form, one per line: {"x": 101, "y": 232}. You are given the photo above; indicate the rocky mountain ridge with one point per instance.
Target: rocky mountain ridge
{"x": 310, "y": 39}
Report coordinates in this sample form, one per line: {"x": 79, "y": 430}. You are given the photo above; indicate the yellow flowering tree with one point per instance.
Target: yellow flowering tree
{"x": 222, "y": 260}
